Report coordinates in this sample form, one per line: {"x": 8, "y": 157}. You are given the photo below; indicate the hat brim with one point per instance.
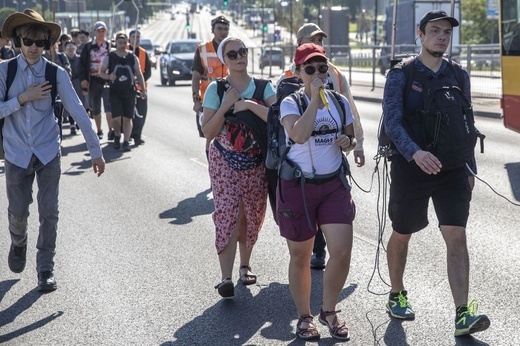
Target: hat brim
{"x": 317, "y": 32}
{"x": 452, "y": 21}
{"x": 17, "y": 19}
{"x": 312, "y": 55}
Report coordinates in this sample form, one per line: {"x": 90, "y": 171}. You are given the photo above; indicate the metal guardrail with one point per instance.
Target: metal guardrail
{"x": 482, "y": 62}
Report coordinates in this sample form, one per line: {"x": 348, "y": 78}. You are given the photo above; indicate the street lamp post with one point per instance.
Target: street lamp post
{"x": 291, "y": 24}
{"x": 79, "y": 17}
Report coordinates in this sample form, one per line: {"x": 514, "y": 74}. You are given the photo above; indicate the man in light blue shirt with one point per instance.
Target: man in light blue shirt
{"x": 32, "y": 142}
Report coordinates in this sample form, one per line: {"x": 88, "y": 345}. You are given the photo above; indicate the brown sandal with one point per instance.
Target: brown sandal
{"x": 337, "y": 330}
{"x": 309, "y": 333}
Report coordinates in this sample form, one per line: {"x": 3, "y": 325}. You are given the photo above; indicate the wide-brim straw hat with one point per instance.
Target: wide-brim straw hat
{"x": 29, "y": 16}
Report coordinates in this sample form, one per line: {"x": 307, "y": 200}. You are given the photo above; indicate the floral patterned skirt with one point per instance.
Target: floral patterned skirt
{"x": 229, "y": 187}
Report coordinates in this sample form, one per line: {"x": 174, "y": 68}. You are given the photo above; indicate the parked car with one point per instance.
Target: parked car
{"x": 272, "y": 56}
{"x": 176, "y": 60}
{"x": 148, "y": 45}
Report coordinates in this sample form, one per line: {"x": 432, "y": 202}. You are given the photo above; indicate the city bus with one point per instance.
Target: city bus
{"x": 509, "y": 17}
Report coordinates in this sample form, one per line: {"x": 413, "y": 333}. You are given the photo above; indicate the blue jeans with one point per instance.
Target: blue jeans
{"x": 19, "y": 183}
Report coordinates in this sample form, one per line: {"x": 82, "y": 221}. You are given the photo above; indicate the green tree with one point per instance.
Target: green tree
{"x": 476, "y": 28}
{"x": 5, "y": 12}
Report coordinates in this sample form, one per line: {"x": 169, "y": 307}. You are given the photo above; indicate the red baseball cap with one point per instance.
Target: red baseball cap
{"x": 307, "y": 51}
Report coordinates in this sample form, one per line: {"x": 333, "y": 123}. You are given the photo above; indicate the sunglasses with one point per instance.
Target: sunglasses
{"x": 310, "y": 70}
{"x": 28, "y": 42}
{"x": 233, "y": 54}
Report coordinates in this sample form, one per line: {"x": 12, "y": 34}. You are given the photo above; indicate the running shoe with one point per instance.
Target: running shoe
{"x": 468, "y": 322}
{"x": 399, "y": 307}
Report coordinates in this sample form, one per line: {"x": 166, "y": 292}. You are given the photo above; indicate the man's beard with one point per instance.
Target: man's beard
{"x": 435, "y": 54}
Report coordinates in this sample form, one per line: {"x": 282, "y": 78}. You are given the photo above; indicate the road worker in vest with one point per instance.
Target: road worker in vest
{"x": 207, "y": 67}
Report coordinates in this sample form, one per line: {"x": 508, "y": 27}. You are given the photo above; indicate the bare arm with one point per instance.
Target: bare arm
{"x": 140, "y": 78}
{"x": 213, "y": 120}
{"x": 103, "y": 70}
{"x": 258, "y": 109}
{"x": 195, "y": 87}
{"x": 299, "y": 127}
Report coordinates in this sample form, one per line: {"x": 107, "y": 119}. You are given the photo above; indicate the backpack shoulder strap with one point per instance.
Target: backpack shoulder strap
{"x": 222, "y": 86}
{"x": 51, "y": 71}
{"x": 260, "y": 85}
{"x": 458, "y": 72}
{"x": 408, "y": 67}
{"x": 12, "y": 67}
{"x": 340, "y": 105}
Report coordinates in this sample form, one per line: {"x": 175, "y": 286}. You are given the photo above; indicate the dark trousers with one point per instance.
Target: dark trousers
{"x": 139, "y": 118}
{"x": 19, "y": 188}
{"x": 319, "y": 242}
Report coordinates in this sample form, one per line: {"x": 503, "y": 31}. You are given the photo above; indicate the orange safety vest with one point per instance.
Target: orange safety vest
{"x": 213, "y": 67}
{"x": 142, "y": 62}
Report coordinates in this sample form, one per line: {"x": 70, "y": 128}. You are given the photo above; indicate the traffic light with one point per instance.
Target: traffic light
{"x": 188, "y": 27}
{"x": 264, "y": 28}
{"x": 226, "y": 2}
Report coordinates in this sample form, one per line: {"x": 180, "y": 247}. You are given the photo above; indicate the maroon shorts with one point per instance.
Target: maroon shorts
{"x": 326, "y": 203}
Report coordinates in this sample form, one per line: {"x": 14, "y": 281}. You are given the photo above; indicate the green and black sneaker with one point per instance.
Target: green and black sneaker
{"x": 468, "y": 322}
{"x": 399, "y": 307}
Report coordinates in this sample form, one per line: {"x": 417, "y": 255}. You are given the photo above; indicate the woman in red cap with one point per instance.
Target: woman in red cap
{"x": 318, "y": 135}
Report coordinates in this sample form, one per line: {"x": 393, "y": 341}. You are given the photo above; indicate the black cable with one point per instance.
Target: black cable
{"x": 492, "y": 189}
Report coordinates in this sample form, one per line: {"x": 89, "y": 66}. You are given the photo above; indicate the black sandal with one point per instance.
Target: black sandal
{"x": 226, "y": 289}
{"x": 337, "y": 330}
{"x": 246, "y": 279}
{"x": 309, "y": 333}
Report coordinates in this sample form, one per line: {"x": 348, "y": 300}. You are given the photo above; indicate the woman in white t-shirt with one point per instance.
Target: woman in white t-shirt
{"x": 236, "y": 168}
{"x": 319, "y": 136}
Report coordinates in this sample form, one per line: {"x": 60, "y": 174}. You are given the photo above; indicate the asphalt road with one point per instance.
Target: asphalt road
{"x": 136, "y": 262}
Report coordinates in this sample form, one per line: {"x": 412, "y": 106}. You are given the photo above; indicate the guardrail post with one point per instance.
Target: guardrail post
{"x": 469, "y": 58}
{"x": 349, "y": 51}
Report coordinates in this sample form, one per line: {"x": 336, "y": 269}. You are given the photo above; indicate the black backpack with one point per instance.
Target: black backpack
{"x": 123, "y": 67}
{"x": 51, "y": 70}
{"x": 248, "y": 120}
{"x": 444, "y": 123}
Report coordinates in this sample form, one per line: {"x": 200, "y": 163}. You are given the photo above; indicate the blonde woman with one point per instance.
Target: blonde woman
{"x": 236, "y": 165}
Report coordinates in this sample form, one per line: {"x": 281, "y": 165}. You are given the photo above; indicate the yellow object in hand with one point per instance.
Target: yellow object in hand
{"x": 324, "y": 98}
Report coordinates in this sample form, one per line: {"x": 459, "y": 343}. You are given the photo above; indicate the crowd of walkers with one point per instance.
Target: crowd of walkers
{"x": 313, "y": 207}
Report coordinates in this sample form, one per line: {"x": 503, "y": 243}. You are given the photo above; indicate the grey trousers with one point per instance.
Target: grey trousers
{"x": 19, "y": 187}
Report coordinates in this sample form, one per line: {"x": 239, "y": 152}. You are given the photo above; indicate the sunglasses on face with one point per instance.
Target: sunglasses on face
{"x": 233, "y": 54}
{"x": 29, "y": 42}
{"x": 312, "y": 70}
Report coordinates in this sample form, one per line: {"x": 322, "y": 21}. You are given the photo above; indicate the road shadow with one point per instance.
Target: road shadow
{"x": 11, "y": 313}
{"x": 234, "y": 322}
{"x": 188, "y": 208}
{"x": 513, "y": 171}
{"x": 5, "y": 286}
{"x": 79, "y": 167}
{"x": 31, "y": 327}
